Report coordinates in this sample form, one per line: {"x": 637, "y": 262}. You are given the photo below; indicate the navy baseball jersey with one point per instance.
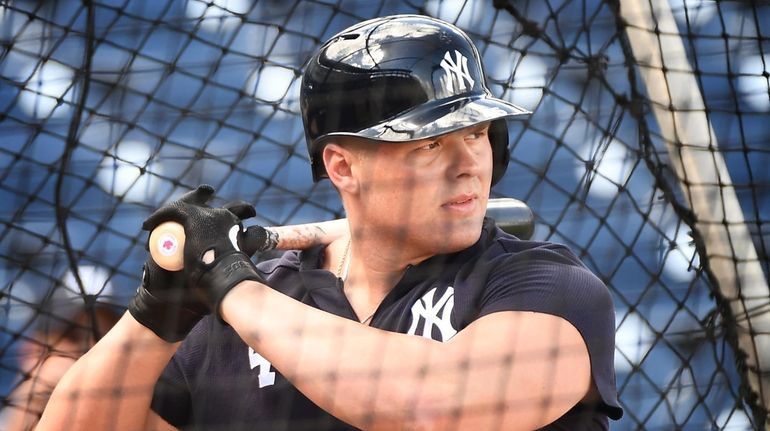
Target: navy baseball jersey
{"x": 217, "y": 381}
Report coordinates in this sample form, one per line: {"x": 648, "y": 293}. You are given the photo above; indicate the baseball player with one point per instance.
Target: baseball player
{"x": 423, "y": 316}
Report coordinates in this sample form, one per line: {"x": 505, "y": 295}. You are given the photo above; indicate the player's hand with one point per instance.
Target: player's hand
{"x": 164, "y": 304}
{"x": 214, "y": 261}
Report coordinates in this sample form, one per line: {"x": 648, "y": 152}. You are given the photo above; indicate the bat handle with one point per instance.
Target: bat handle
{"x": 167, "y": 246}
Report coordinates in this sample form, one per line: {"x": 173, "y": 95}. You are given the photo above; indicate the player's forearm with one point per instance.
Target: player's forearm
{"x": 110, "y": 387}
{"x": 376, "y": 379}
{"x": 302, "y": 236}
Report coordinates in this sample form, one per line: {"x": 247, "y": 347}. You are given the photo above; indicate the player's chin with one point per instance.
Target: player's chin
{"x": 459, "y": 234}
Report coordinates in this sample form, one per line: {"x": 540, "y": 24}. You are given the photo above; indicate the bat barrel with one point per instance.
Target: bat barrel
{"x": 513, "y": 216}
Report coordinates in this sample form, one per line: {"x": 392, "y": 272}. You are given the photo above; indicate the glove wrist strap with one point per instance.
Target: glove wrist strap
{"x": 224, "y": 274}
{"x": 168, "y": 321}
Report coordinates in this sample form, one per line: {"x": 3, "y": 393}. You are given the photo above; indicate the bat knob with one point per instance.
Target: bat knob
{"x": 167, "y": 246}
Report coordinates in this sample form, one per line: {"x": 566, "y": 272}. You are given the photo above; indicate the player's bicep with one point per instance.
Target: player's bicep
{"x": 526, "y": 368}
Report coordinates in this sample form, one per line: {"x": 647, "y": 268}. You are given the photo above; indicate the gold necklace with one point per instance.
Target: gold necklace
{"x": 368, "y": 320}
{"x": 344, "y": 262}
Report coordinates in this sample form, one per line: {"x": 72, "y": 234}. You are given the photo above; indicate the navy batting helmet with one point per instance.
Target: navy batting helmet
{"x": 399, "y": 78}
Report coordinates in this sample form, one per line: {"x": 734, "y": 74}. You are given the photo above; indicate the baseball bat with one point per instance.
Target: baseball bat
{"x": 166, "y": 242}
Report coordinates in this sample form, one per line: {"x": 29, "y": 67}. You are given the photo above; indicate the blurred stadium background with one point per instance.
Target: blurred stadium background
{"x": 110, "y": 108}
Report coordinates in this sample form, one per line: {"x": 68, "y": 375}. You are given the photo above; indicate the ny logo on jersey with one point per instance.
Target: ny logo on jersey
{"x": 456, "y": 73}
{"x": 266, "y": 377}
{"x": 432, "y": 314}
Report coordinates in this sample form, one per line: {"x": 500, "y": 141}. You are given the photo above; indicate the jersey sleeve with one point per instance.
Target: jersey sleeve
{"x": 550, "y": 279}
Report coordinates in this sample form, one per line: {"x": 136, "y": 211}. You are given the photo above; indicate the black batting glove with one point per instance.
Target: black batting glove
{"x": 214, "y": 261}
{"x": 164, "y": 304}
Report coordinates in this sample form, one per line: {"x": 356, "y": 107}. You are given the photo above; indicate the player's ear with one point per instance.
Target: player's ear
{"x": 340, "y": 162}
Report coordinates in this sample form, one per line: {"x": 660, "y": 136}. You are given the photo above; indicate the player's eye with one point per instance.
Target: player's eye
{"x": 477, "y": 134}
{"x": 430, "y": 146}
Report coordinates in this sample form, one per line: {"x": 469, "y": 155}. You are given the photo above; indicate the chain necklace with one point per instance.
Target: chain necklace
{"x": 368, "y": 320}
{"x": 344, "y": 263}
{"x": 342, "y": 273}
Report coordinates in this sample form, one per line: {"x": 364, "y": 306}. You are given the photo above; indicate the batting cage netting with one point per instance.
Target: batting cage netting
{"x": 647, "y": 153}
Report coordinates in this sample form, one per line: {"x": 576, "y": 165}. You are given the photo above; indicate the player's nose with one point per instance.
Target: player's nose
{"x": 465, "y": 156}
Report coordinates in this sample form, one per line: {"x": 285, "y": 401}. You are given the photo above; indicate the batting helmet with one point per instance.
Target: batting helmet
{"x": 399, "y": 78}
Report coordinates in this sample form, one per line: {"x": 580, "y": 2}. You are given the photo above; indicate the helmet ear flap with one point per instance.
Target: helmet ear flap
{"x": 317, "y": 166}
{"x": 501, "y": 155}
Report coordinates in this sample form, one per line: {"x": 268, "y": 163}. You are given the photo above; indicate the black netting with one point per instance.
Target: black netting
{"x": 108, "y": 109}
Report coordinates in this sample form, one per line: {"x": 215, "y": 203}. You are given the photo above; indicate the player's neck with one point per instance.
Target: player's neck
{"x": 365, "y": 285}
{"x": 364, "y": 274}
{"x": 377, "y": 265}
{"x": 367, "y": 264}
{"x": 368, "y": 280}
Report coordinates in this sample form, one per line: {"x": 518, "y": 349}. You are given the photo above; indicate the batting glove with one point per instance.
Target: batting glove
{"x": 164, "y": 304}
{"x": 214, "y": 262}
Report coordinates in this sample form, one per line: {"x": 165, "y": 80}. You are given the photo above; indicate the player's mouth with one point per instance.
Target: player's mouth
{"x": 464, "y": 203}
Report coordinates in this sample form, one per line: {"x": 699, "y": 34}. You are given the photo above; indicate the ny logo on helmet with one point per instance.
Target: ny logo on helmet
{"x": 456, "y": 73}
